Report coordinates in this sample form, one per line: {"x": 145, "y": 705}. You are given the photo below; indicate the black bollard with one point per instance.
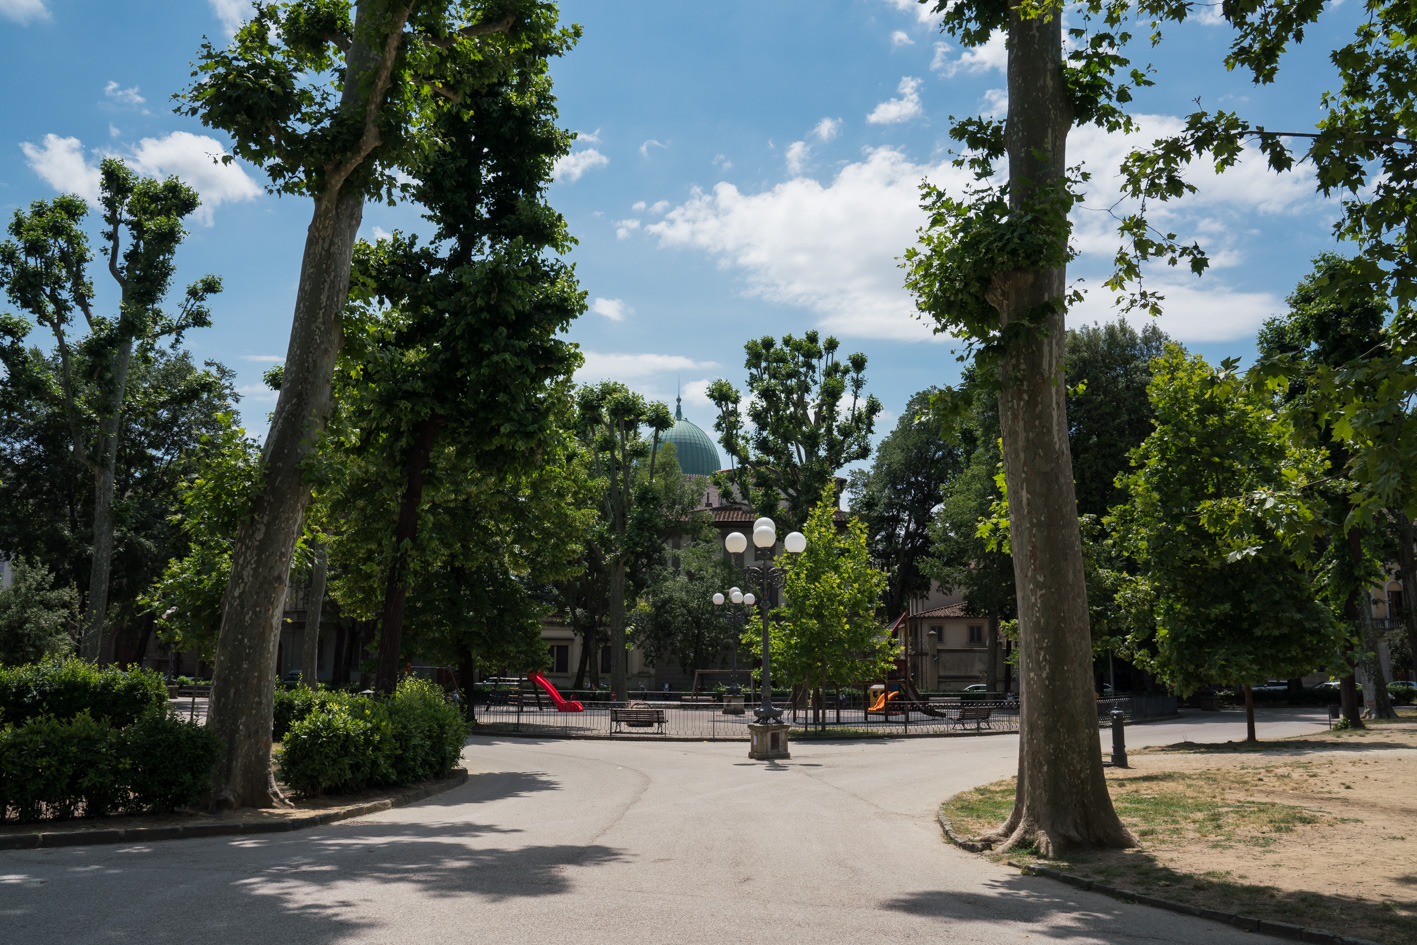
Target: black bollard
{"x": 1119, "y": 738}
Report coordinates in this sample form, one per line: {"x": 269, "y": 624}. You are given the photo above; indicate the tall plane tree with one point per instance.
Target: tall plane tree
{"x": 45, "y": 271}
{"x": 331, "y": 98}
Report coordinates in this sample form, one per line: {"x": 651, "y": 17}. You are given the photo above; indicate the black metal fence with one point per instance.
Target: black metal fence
{"x": 672, "y": 715}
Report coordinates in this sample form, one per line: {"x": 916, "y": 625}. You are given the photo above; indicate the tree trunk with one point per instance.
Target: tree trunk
{"x": 339, "y": 669}
{"x": 583, "y": 664}
{"x": 1062, "y": 800}
{"x": 467, "y": 669}
{"x": 619, "y": 657}
{"x": 243, "y": 683}
{"x": 1362, "y": 609}
{"x": 105, "y": 473}
{"x": 1348, "y": 697}
{"x": 1250, "y": 714}
{"x": 991, "y": 659}
{"x": 1407, "y": 573}
{"x": 310, "y": 636}
{"x": 405, "y": 534}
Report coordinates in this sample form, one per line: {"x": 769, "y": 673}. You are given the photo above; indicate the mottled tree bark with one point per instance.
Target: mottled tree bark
{"x": 1362, "y": 611}
{"x": 405, "y": 534}
{"x": 1250, "y": 714}
{"x": 105, "y": 474}
{"x": 243, "y": 683}
{"x": 314, "y": 604}
{"x": 619, "y": 656}
{"x": 1062, "y": 800}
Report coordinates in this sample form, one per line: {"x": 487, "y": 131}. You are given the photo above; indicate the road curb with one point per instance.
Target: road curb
{"x": 1293, "y": 933}
{"x": 45, "y": 839}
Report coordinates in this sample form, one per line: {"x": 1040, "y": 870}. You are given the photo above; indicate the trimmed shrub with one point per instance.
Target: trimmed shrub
{"x": 65, "y": 688}
{"x": 55, "y": 767}
{"x": 349, "y": 742}
{"x": 168, "y": 762}
{"x": 292, "y": 705}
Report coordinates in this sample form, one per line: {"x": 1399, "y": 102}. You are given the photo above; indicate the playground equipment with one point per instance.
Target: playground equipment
{"x": 562, "y": 704}
{"x": 882, "y": 701}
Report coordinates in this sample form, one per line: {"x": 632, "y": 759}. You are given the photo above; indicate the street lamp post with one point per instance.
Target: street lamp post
{"x": 736, "y": 619}
{"x": 766, "y": 575}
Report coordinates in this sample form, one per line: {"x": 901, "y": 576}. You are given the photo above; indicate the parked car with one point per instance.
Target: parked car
{"x": 1273, "y": 685}
{"x": 1402, "y": 684}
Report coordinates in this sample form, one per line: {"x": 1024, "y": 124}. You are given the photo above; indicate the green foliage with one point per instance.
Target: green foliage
{"x": 37, "y": 620}
{"x": 826, "y": 631}
{"x": 347, "y": 742}
{"x": 59, "y": 768}
{"x": 1220, "y": 521}
{"x": 801, "y": 427}
{"x": 168, "y": 762}
{"x": 676, "y": 617}
{"x": 292, "y": 705}
{"x": 214, "y": 504}
{"x": 896, "y": 498}
{"x": 67, "y": 688}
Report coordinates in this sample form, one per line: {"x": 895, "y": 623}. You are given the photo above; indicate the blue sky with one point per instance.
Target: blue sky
{"x": 743, "y": 168}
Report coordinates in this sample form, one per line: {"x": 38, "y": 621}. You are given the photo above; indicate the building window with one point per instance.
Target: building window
{"x": 560, "y": 657}
{"x": 976, "y": 634}
{"x": 605, "y": 659}
{"x": 1394, "y": 604}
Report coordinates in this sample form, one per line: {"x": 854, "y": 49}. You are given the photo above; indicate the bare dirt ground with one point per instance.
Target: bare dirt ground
{"x": 1319, "y": 831}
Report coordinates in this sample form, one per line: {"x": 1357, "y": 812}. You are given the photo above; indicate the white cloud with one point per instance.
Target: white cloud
{"x": 123, "y": 96}
{"x": 379, "y": 233}
{"x": 901, "y": 38}
{"x": 589, "y": 137}
{"x": 995, "y": 103}
{"x": 638, "y": 206}
{"x": 24, "y": 12}
{"x": 651, "y": 143}
{"x": 797, "y": 154}
{"x": 1196, "y": 310}
{"x": 924, "y": 13}
{"x": 630, "y": 368}
{"x": 827, "y": 129}
{"x": 113, "y": 131}
{"x": 60, "y": 162}
{"x": 232, "y": 13}
{"x": 257, "y": 392}
{"x": 994, "y": 54}
{"x": 695, "y": 392}
{"x": 264, "y": 358}
{"x": 829, "y": 249}
{"x": 613, "y": 309}
{"x": 573, "y": 165}
{"x": 896, "y": 110}
{"x": 623, "y": 228}
{"x": 721, "y": 162}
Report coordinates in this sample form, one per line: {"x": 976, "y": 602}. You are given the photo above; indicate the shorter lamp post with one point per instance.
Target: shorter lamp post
{"x": 765, "y": 575}
{"x": 736, "y": 620}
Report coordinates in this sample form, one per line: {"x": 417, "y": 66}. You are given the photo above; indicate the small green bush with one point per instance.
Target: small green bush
{"x": 168, "y": 762}
{"x": 292, "y": 705}
{"x": 349, "y": 742}
{"x": 65, "y": 688}
{"x": 58, "y": 766}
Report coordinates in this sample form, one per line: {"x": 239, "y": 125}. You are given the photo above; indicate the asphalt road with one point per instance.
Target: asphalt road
{"x": 611, "y": 842}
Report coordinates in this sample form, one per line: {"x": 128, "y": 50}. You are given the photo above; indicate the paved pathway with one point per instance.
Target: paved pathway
{"x": 613, "y": 842}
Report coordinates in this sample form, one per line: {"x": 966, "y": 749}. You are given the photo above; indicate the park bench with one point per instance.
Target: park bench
{"x": 978, "y": 714}
{"x": 694, "y": 700}
{"x": 636, "y": 718}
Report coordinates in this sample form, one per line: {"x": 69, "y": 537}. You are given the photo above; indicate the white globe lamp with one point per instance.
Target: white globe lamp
{"x": 749, "y": 599}
{"x": 736, "y": 543}
{"x": 737, "y": 597}
{"x": 795, "y": 543}
{"x": 718, "y": 599}
{"x": 765, "y": 536}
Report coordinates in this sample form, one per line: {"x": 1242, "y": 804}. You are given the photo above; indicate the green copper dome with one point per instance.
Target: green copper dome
{"x": 692, "y": 447}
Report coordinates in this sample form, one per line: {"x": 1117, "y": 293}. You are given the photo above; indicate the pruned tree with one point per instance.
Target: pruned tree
{"x": 37, "y": 618}
{"x": 44, "y": 268}
{"x": 676, "y": 617}
{"x": 807, "y": 416}
{"x": 332, "y": 99}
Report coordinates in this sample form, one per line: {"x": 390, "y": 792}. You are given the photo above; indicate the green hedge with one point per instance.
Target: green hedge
{"x": 61, "y": 768}
{"x": 63, "y": 689}
{"x": 345, "y": 742}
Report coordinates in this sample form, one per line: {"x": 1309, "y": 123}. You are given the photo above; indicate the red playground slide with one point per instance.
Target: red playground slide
{"x": 561, "y": 704}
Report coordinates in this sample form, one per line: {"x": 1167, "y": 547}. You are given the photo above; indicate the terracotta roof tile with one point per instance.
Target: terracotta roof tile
{"x": 950, "y": 610}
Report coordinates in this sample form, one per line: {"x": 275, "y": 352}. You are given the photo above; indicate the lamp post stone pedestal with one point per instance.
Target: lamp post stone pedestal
{"x": 733, "y": 703}
{"x": 767, "y": 741}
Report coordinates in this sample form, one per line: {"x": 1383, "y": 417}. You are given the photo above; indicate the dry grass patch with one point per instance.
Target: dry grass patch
{"x": 1319, "y": 831}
